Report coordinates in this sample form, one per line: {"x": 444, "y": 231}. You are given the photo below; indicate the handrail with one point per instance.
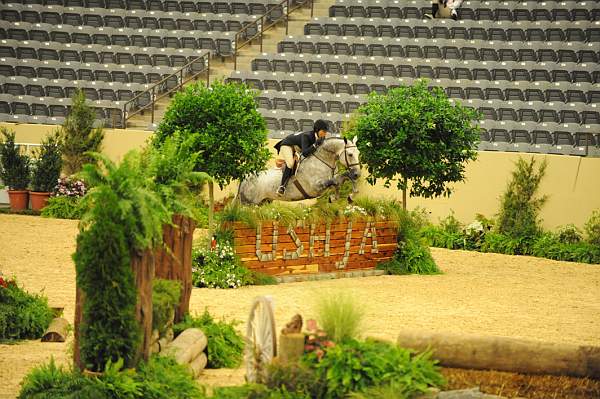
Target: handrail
{"x": 241, "y": 39}
{"x": 160, "y": 90}
{"x": 260, "y": 25}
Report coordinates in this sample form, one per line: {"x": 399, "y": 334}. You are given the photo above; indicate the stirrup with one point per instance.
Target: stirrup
{"x": 281, "y": 190}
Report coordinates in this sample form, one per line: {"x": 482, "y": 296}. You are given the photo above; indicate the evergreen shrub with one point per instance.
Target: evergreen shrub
{"x": 62, "y": 207}
{"x": 165, "y": 298}
{"x": 14, "y": 166}
{"x": 22, "y": 315}
{"x": 47, "y": 166}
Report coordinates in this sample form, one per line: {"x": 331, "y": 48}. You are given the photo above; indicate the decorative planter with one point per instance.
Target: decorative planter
{"x": 38, "y": 200}
{"x": 19, "y": 199}
{"x": 339, "y": 246}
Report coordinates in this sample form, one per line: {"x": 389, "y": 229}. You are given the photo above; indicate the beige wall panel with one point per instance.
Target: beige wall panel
{"x": 571, "y": 183}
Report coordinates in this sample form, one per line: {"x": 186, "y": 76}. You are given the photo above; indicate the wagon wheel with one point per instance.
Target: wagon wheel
{"x": 261, "y": 341}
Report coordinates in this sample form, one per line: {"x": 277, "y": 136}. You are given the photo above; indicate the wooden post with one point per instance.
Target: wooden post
{"x": 143, "y": 269}
{"x": 188, "y": 227}
{"x": 211, "y": 208}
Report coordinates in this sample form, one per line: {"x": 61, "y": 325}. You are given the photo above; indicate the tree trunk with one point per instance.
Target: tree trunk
{"x": 404, "y": 194}
{"x": 143, "y": 269}
{"x": 79, "y": 300}
{"x": 211, "y": 209}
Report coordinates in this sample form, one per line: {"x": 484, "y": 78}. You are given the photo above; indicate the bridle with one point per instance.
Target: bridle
{"x": 334, "y": 167}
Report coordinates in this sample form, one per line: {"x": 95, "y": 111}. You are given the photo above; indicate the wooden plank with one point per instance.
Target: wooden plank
{"x": 319, "y": 245}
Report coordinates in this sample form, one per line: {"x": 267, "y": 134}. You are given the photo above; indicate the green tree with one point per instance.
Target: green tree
{"x": 14, "y": 166}
{"x": 78, "y": 135}
{"x": 415, "y": 135}
{"x": 224, "y": 128}
{"x": 519, "y": 207}
{"x": 48, "y": 165}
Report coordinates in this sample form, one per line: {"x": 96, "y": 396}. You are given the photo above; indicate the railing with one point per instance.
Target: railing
{"x": 243, "y": 37}
{"x": 257, "y": 28}
{"x": 162, "y": 88}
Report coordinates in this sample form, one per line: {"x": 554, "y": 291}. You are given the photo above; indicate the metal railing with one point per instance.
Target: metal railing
{"x": 256, "y": 29}
{"x": 165, "y": 87}
{"x": 273, "y": 16}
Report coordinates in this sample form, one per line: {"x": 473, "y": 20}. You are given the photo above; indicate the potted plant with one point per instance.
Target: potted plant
{"x": 14, "y": 171}
{"x": 46, "y": 171}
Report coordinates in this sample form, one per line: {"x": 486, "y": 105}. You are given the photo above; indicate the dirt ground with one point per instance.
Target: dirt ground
{"x": 486, "y": 294}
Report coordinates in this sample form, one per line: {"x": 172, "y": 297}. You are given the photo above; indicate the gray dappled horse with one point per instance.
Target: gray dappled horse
{"x": 314, "y": 175}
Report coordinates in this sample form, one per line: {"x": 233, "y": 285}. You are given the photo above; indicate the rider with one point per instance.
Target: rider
{"x": 304, "y": 142}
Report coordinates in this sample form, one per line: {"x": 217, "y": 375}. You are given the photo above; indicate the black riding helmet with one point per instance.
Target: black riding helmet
{"x": 320, "y": 125}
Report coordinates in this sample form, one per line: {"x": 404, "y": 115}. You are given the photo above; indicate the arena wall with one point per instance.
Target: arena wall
{"x": 571, "y": 183}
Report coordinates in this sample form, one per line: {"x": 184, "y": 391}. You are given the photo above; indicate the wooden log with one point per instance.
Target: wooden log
{"x": 187, "y": 346}
{"x": 506, "y": 354}
{"x": 198, "y": 364}
{"x": 291, "y": 347}
{"x": 57, "y": 331}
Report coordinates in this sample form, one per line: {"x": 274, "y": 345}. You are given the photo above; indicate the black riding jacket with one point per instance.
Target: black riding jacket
{"x": 305, "y": 140}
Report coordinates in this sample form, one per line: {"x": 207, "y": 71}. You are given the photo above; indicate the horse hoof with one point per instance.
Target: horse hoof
{"x": 350, "y": 200}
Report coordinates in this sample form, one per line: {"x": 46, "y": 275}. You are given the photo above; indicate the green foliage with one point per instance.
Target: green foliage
{"x": 170, "y": 170}
{"x": 340, "y": 315}
{"x": 287, "y": 215}
{"x": 165, "y": 298}
{"x": 569, "y": 234}
{"x": 415, "y": 135}
{"x": 109, "y": 330}
{"x": 218, "y": 268}
{"x": 159, "y": 378}
{"x": 47, "y": 166}
{"x": 294, "y": 377}
{"x": 22, "y": 315}
{"x": 519, "y": 207}
{"x": 256, "y": 391}
{"x": 258, "y": 278}
{"x": 391, "y": 391}
{"x": 412, "y": 255}
{"x": 554, "y": 246}
{"x": 223, "y": 127}
{"x": 138, "y": 209}
{"x": 592, "y": 228}
{"x": 14, "y": 166}
{"x": 225, "y": 344}
{"x": 354, "y": 366}
{"x": 63, "y": 207}
{"x": 78, "y": 136}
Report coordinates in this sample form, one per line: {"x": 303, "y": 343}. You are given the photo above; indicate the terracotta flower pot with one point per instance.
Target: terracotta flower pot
{"x": 19, "y": 199}
{"x": 38, "y": 200}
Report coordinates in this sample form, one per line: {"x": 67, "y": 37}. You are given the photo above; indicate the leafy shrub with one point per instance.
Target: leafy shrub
{"x": 159, "y": 378}
{"x": 412, "y": 255}
{"x": 356, "y": 366}
{"x": 47, "y": 166}
{"x": 14, "y": 166}
{"x": 218, "y": 268}
{"x": 519, "y": 206}
{"x": 592, "y": 228}
{"x": 294, "y": 377}
{"x": 340, "y": 316}
{"x": 553, "y": 246}
{"x": 501, "y": 244}
{"x": 569, "y": 234}
{"x": 63, "y": 207}
{"x": 256, "y": 391}
{"x": 258, "y": 278}
{"x": 165, "y": 297}
{"x": 225, "y": 344}
{"x": 22, "y": 315}
{"x": 391, "y": 391}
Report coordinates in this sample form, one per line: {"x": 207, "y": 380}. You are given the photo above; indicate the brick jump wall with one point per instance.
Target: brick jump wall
{"x": 339, "y": 246}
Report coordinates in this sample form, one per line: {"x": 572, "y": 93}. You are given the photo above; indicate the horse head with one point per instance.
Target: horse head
{"x": 349, "y": 157}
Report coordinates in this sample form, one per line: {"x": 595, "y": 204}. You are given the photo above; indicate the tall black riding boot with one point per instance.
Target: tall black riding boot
{"x": 287, "y": 174}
